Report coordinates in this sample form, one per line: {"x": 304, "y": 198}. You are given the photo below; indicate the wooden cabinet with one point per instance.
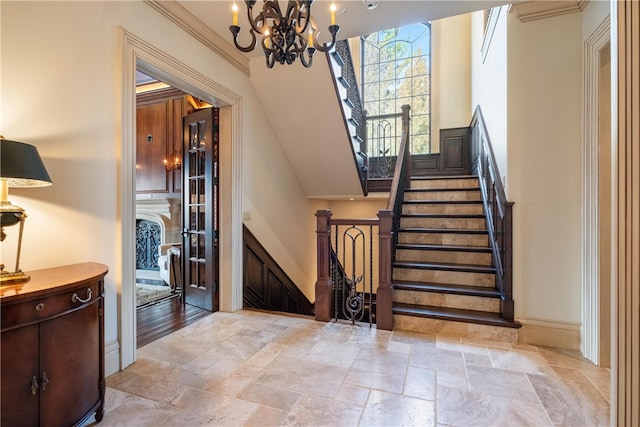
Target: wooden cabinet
{"x": 159, "y": 138}
{"x": 52, "y": 347}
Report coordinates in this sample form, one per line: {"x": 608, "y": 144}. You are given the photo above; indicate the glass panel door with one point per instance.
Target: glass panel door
{"x": 200, "y": 204}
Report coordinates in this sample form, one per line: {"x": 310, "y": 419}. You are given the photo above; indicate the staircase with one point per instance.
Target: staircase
{"x": 444, "y": 280}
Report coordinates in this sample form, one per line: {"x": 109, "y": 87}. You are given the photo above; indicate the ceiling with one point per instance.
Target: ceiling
{"x": 353, "y": 17}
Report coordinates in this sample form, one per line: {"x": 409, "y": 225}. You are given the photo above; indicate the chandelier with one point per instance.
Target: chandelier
{"x": 285, "y": 37}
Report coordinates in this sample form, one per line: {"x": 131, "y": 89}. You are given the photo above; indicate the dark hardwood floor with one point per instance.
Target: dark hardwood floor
{"x": 161, "y": 319}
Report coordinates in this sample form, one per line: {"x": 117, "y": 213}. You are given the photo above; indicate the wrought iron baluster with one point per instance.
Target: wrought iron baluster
{"x": 370, "y": 275}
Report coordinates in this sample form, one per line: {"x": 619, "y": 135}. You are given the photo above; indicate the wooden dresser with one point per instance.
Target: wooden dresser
{"x": 52, "y": 347}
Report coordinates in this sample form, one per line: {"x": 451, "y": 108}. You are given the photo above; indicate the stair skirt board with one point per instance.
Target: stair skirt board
{"x": 455, "y": 328}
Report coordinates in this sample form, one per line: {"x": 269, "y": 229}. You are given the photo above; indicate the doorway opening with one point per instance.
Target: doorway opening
{"x": 139, "y": 54}
{"x": 161, "y": 306}
{"x": 597, "y": 211}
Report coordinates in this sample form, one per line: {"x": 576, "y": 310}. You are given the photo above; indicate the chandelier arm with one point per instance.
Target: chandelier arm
{"x": 270, "y": 59}
{"x": 310, "y": 52}
{"x": 301, "y": 16}
{"x": 271, "y": 10}
{"x": 333, "y": 29}
{"x": 235, "y": 30}
{"x": 253, "y": 21}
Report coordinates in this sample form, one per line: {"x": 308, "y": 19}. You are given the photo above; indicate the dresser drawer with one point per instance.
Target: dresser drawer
{"x": 22, "y": 312}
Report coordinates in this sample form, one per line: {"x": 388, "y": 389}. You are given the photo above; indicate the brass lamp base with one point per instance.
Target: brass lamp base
{"x": 8, "y": 278}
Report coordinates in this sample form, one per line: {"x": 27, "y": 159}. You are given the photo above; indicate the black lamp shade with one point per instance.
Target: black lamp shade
{"x": 21, "y": 165}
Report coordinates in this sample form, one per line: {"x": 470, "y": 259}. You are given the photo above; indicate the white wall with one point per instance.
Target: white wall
{"x": 452, "y": 73}
{"x": 61, "y": 81}
{"x": 489, "y": 83}
{"x": 593, "y": 14}
{"x": 529, "y": 86}
{"x": 544, "y": 175}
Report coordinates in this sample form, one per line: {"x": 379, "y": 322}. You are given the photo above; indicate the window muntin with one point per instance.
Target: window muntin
{"x": 396, "y": 66}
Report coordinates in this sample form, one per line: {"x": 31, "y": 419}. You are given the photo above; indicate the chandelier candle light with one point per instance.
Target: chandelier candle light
{"x": 284, "y": 37}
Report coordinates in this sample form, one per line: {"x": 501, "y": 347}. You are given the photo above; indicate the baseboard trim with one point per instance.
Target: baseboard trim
{"x": 549, "y": 333}
{"x": 111, "y": 358}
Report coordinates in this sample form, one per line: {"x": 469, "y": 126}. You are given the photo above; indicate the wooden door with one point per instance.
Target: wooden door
{"x": 200, "y": 209}
{"x": 19, "y": 365}
{"x": 69, "y": 357}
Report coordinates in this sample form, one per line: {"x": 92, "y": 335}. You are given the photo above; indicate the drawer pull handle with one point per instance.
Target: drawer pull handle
{"x": 40, "y": 307}
{"x": 76, "y": 298}
{"x": 34, "y": 385}
{"x": 45, "y": 380}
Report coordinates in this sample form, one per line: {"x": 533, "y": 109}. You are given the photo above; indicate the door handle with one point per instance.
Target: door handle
{"x": 34, "y": 385}
{"x": 45, "y": 380}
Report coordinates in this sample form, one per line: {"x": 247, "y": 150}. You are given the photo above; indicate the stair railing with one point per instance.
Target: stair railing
{"x": 344, "y": 288}
{"x": 389, "y": 224}
{"x": 344, "y": 78}
{"x": 499, "y": 211}
{"x": 383, "y": 136}
{"x": 352, "y": 260}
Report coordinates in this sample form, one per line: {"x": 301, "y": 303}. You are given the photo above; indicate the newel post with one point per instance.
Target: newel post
{"x": 507, "y": 264}
{"x": 324, "y": 284}
{"x": 384, "y": 297}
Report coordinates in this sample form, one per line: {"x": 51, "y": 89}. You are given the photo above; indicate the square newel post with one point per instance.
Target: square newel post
{"x": 384, "y": 297}
{"x": 324, "y": 284}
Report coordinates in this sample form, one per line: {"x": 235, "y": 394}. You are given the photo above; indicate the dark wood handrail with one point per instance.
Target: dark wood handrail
{"x": 499, "y": 211}
{"x": 355, "y": 221}
{"x": 403, "y": 161}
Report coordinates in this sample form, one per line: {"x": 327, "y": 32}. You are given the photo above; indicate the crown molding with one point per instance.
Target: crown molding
{"x": 534, "y": 10}
{"x": 201, "y": 32}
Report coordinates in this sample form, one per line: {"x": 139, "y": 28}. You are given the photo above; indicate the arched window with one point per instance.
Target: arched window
{"x": 396, "y": 67}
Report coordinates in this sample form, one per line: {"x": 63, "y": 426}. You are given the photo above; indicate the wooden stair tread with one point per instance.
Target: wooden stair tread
{"x": 442, "y": 230}
{"x": 467, "y": 268}
{"x": 446, "y": 288}
{"x": 436, "y": 177}
{"x": 452, "y": 248}
{"x": 441, "y": 202}
{"x": 439, "y": 215}
{"x": 454, "y": 314}
{"x": 438, "y": 189}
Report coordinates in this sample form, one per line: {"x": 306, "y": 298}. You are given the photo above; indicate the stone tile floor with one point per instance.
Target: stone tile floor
{"x": 258, "y": 369}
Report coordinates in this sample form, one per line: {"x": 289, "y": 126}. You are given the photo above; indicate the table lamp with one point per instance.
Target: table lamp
{"x": 20, "y": 166}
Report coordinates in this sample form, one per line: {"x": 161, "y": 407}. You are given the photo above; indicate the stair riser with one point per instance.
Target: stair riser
{"x": 449, "y": 257}
{"x": 445, "y": 183}
{"x": 481, "y": 240}
{"x": 442, "y": 195}
{"x": 445, "y": 276}
{"x": 456, "y": 329}
{"x": 449, "y": 223}
{"x": 449, "y": 209}
{"x": 464, "y": 302}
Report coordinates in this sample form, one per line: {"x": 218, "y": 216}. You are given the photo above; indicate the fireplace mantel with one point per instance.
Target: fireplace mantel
{"x": 166, "y": 212}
